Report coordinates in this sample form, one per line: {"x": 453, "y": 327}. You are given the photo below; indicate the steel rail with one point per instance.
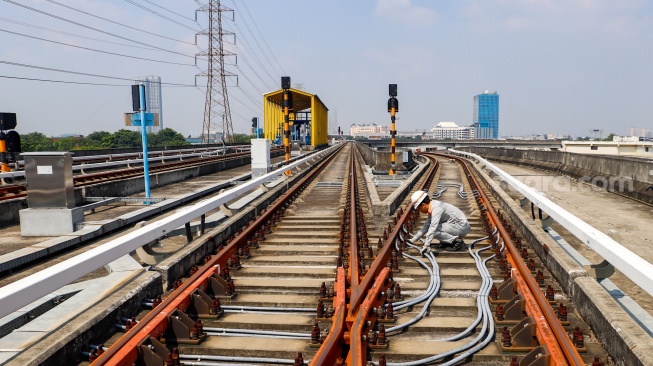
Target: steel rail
{"x": 124, "y": 351}
{"x": 384, "y": 254}
{"x": 550, "y": 331}
{"x": 31, "y": 288}
{"x": 365, "y": 319}
{"x": 335, "y": 346}
{"x": 335, "y": 342}
{"x": 354, "y": 264}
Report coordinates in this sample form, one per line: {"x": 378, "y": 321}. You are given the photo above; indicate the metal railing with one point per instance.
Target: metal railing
{"x": 630, "y": 264}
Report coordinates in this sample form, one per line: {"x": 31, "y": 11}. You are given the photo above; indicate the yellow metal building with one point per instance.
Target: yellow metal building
{"x": 304, "y": 104}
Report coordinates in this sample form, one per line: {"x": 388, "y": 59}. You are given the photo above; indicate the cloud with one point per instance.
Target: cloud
{"x": 405, "y": 11}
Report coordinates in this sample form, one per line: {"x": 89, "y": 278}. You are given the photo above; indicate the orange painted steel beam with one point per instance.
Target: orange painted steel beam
{"x": 544, "y": 333}
{"x": 560, "y": 343}
{"x": 358, "y": 351}
{"x": 334, "y": 344}
{"x": 124, "y": 351}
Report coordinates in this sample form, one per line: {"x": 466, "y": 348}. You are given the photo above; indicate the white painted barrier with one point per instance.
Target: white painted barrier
{"x": 33, "y": 287}
{"x": 633, "y": 266}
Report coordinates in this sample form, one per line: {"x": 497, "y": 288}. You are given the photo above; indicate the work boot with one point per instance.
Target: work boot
{"x": 438, "y": 245}
{"x": 457, "y": 245}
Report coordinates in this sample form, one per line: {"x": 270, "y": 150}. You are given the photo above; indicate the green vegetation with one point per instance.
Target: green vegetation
{"x": 36, "y": 141}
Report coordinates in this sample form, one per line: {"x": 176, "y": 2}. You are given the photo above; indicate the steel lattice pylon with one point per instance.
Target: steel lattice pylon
{"x": 217, "y": 114}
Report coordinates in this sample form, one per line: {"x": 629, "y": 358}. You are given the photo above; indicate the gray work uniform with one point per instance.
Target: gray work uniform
{"x": 444, "y": 222}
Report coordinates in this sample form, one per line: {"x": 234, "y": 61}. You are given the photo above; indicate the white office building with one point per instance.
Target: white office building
{"x": 451, "y": 131}
{"x": 369, "y": 131}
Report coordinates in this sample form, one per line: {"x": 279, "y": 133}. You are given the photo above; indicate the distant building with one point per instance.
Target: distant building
{"x": 369, "y": 131}
{"x": 625, "y": 148}
{"x": 451, "y": 131}
{"x": 153, "y": 99}
{"x": 486, "y": 115}
{"x": 640, "y": 132}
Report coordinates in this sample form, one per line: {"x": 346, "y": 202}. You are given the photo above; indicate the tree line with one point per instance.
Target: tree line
{"x": 36, "y": 141}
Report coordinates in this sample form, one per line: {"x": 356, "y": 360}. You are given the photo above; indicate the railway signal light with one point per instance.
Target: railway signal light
{"x": 7, "y": 140}
{"x": 393, "y": 90}
{"x": 285, "y": 82}
{"x": 7, "y": 121}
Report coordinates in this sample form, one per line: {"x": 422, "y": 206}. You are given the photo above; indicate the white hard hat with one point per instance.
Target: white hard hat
{"x": 417, "y": 198}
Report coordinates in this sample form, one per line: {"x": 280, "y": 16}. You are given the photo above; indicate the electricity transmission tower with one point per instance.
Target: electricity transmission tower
{"x": 217, "y": 114}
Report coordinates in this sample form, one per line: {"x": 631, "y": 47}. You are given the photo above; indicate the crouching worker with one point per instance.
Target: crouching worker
{"x": 444, "y": 222}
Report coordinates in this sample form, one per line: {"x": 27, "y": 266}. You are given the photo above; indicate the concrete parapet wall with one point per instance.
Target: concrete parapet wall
{"x": 380, "y": 160}
{"x": 389, "y": 205}
{"x": 631, "y": 177}
{"x": 617, "y": 332}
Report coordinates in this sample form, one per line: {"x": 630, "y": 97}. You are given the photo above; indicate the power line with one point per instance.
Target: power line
{"x": 91, "y": 28}
{"x": 94, "y": 50}
{"x": 255, "y": 73}
{"x": 74, "y": 35}
{"x": 161, "y": 15}
{"x": 60, "y": 81}
{"x": 245, "y": 105}
{"x": 256, "y": 59}
{"x": 249, "y": 80}
{"x": 249, "y": 96}
{"x": 254, "y": 36}
{"x": 170, "y": 11}
{"x": 262, "y": 37}
{"x": 81, "y": 73}
{"x": 118, "y": 23}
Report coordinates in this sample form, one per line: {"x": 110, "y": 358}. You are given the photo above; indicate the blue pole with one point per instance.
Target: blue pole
{"x": 257, "y": 128}
{"x": 146, "y": 163}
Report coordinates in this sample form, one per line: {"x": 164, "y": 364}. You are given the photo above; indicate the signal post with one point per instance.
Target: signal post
{"x": 393, "y": 107}
{"x": 287, "y": 107}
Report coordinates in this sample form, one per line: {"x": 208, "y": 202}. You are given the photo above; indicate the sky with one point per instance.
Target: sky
{"x": 559, "y": 66}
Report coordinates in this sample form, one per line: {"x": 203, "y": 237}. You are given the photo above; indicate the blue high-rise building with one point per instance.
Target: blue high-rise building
{"x": 486, "y": 115}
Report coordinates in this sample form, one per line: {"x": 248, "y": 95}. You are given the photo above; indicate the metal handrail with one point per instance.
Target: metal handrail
{"x": 630, "y": 264}
{"x": 549, "y": 329}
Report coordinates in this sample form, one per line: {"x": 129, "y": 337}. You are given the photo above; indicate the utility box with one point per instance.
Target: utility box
{"x": 260, "y": 157}
{"x": 49, "y": 178}
{"x": 295, "y": 148}
{"x": 50, "y": 195}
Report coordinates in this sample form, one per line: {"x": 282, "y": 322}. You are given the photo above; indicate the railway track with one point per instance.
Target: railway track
{"x": 317, "y": 279}
{"x": 13, "y": 191}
